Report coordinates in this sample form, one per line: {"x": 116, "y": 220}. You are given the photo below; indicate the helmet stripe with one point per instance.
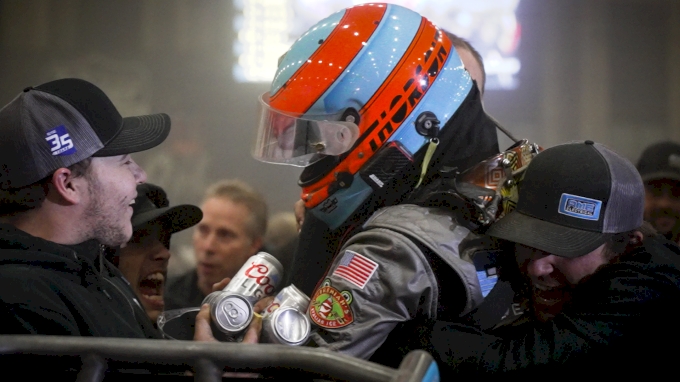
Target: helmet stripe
{"x": 326, "y": 65}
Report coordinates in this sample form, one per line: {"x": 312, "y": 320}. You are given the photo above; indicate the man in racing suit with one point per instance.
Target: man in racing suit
{"x": 397, "y": 140}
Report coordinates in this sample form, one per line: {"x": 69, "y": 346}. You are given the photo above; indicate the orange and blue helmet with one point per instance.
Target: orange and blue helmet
{"x": 358, "y": 98}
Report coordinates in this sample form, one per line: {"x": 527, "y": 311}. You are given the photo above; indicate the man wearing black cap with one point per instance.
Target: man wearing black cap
{"x": 67, "y": 187}
{"x": 144, "y": 259}
{"x": 659, "y": 167}
{"x": 600, "y": 286}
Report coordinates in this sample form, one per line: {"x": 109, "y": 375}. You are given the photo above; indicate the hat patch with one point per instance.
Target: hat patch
{"x": 580, "y": 207}
{"x": 60, "y": 141}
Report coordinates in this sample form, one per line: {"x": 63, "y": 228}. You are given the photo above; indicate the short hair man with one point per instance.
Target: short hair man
{"x": 67, "y": 186}
{"x": 144, "y": 259}
{"x": 659, "y": 167}
{"x": 232, "y": 229}
{"x": 599, "y": 284}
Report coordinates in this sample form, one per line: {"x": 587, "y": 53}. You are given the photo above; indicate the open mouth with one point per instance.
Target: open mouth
{"x": 151, "y": 289}
{"x": 548, "y": 296}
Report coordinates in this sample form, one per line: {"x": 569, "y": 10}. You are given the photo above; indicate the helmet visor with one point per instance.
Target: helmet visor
{"x": 286, "y": 139}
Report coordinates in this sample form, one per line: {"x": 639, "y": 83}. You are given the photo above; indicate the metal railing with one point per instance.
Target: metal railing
{"x": 210, "y": 359}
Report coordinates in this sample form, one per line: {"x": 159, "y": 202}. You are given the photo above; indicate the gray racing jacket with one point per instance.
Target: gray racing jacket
{"x": 383, "y": 276}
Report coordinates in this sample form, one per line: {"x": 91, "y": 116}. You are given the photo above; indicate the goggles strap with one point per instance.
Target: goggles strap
{"x": 432, "y": 146}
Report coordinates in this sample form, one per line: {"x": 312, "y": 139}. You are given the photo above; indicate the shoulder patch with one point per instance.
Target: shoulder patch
{"x": 355, "y": 268}
{"x": 330, "y": 308}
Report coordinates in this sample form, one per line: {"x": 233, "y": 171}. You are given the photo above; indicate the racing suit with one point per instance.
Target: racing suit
{"x": 408, "y": 265}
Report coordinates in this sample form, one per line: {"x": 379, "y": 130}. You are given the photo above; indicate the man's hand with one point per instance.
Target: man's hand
{"x": 221, "y": 285}
{"x": 202, "y": 331}
{"x": 263, "y": 304}
{"x": 252, "y": 335}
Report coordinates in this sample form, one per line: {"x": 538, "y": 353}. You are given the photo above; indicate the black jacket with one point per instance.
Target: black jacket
{"x": 48, "y": 288}
{"x": 182, "y": 291}
{"x": 621, "y": 321}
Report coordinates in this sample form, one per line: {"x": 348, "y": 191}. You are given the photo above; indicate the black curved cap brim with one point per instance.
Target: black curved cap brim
{"x": 137, "y": 134}
{"x": 545, "y": 236}
{"x": 174, "y": 219}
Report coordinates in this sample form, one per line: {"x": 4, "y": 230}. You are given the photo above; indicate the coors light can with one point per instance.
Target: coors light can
{"x": 288, "y": 296}
{"x": 287, "y": 326}
{"x": 285, "y": 320}
{"x": 231, "y": 309}
{"x": 230, "y": 313}
{"x": 258, "y": 277}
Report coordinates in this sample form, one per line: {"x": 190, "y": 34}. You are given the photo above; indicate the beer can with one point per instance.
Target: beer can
{"x": 288, "y": 296}
{"x": 230, "y": 313}
{"x": 287, "y": 326}
{"x": 259, "y": 276}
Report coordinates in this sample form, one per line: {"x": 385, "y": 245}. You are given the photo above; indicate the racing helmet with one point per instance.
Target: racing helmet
{"x": 364, "y": 96}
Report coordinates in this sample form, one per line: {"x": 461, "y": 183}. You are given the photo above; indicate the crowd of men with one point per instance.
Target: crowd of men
{"x": 570, "y": 260}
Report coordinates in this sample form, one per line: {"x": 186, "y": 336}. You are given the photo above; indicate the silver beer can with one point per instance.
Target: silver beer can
{"x": 230, "y": 313}
{"x": 288, "y": 296}
{"x": 259, "y": 276}
{"x": 287, "y": 326}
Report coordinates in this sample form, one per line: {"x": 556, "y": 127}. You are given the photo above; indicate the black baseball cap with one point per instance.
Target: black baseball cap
{"x": 572, "y": 199}
{"x": 660, "y": 161}
{"x": 152, "y": 205}
{"x": 63, "y": 122}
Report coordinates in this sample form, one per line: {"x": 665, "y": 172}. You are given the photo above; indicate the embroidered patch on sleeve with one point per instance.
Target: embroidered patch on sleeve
{"x": 330, "y": 308}
{"x": 355, "y": 268}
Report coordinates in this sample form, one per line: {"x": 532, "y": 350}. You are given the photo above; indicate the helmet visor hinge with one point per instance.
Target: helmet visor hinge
{"x": 427, "y": 124}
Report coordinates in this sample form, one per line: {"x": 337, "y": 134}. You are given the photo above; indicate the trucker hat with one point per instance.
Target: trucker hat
{"x": 63, "y": 122}
{"x": 660, "y": 161}
{"x": 152, "y": 205}
{"x": 572, "y": 199}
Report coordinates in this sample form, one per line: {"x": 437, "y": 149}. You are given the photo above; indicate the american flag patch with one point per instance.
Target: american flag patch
{"x": 355, "y": 268}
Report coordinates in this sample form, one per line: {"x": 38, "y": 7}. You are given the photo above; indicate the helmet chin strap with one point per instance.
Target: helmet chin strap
{"x": 432, "y": 146}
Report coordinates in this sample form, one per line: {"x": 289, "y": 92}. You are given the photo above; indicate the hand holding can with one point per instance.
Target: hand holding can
{"x": 231, "y": 309}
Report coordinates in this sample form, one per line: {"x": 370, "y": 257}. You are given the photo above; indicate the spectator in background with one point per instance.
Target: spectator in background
{"x": 659, "y": 167}
{"x": 144, "y": 260}
{"x": 67, "y": 186}
{"x": 232, "y": 229}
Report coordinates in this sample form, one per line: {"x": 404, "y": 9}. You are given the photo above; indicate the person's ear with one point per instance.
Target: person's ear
{"x": 67, "y": 186}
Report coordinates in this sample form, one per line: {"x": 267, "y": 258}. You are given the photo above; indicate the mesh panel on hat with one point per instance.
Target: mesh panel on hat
{"x": 27, "y": 151}
{"x": 47, "y": 113}
{"x": 626, "y": 203}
